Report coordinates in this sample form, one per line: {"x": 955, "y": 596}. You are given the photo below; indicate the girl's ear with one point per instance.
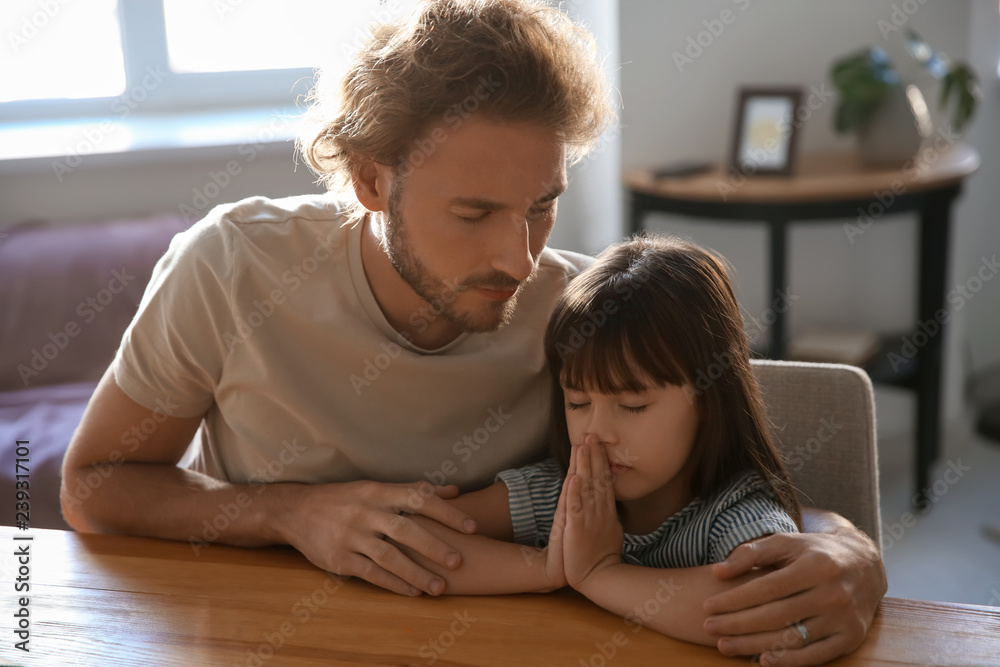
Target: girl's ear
{"x": 372, "y": 185}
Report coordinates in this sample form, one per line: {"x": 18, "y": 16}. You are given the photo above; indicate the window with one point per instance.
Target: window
{"x": 65, "y": 59}
{"x": 34, "y": 63}
{"x": 213, "y": 37}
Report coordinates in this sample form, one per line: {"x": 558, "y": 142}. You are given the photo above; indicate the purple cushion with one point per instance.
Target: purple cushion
{"x": 68, "y": 292}
{"x": 46, "y": 417}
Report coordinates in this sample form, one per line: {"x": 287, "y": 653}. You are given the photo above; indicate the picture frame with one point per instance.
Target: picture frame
{"x": 765, "y": 131}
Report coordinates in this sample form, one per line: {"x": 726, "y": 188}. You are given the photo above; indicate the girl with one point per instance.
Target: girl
{"x": 662, "y": 458}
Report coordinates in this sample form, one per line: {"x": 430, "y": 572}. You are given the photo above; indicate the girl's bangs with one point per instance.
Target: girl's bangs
{"x": 625, "y": 353}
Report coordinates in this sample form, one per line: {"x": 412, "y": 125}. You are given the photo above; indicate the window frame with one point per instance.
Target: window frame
{"x": 150, "y": 86}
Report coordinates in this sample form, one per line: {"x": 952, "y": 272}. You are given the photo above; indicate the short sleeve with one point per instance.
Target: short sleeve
{"x": 171, "y": 355}
{"x": 533, "y": 492}
{"x": 751, "y": 511}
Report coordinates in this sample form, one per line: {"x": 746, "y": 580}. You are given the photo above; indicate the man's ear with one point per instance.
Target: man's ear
{"x": 372, "y": 184}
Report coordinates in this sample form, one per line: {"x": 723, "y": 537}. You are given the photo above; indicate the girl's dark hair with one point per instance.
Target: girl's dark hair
{"x": 661, "y": 310}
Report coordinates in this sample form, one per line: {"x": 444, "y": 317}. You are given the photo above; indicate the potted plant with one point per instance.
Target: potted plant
{"x": 890, "y": 116}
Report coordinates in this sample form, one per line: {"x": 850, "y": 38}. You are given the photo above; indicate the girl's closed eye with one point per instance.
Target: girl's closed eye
{"x": 575, "y": 399}
{"x": 634, "y": 402}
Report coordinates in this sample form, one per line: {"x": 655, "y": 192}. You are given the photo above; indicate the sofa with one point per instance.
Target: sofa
{"x": 67, "y": 293}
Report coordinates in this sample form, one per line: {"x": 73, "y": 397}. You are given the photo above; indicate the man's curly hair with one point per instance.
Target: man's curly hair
{"x": 512, "y": 60}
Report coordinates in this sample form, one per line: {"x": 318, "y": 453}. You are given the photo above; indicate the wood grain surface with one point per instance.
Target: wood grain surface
{"x": 112, "y": 600}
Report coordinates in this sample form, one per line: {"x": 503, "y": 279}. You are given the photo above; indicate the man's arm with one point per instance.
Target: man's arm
{"x": 832, "y": 575}
{"x": 139, "y": 490}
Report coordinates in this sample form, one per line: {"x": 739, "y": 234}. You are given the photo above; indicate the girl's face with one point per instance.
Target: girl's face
{"x": 648, "y": 438}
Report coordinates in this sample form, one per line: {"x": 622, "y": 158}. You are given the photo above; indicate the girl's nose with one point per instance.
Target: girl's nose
{"x": 602, "y": 429}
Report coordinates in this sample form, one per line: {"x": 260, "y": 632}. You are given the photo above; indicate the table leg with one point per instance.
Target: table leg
{"x": 779, "y": 234}
{"x": 932, "y": 272}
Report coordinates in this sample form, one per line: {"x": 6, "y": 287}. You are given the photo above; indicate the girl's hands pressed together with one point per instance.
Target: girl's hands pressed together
{"x": 593, "y": 537}
{"x": 554, "y": 562}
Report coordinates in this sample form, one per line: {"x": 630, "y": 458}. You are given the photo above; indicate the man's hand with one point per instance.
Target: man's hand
{"x": 830, "y": 582}
{"x": 340, "y": 528}
{"x": 593, "y": 537}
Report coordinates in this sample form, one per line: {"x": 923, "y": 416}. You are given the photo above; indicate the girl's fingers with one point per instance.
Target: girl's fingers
{"x": 583, "y": 465}
{"x": 585, "y": 473}
{"x": 559, "y": 521}
{"x": 601, "y": 488}
{"x": 574, "y": 503}
{"x": 606, "y": 497}
{"x": 597, "y": 481}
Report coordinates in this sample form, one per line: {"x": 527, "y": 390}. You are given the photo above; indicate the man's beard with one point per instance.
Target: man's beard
{"x": 441, "y": 294}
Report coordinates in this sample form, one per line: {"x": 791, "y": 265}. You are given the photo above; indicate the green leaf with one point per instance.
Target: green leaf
{"x": 851, "y": 115}
{"x": 960, "y": 79}
{"x": 946, "y": 88}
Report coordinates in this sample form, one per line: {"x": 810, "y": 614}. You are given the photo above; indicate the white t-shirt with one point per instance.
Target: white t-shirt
{"x": 260, "y": 317}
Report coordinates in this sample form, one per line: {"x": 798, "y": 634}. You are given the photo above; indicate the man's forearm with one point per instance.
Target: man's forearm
{"x": 162, "y": 500}
{"x": 489, "y": 567}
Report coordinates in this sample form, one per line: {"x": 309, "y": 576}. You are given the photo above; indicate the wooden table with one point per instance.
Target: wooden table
{"x": 837, "y": 186}
{"x": 110, "y": 600}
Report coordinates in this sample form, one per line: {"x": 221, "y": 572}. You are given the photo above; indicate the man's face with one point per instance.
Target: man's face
{"x": 466, "y": 226}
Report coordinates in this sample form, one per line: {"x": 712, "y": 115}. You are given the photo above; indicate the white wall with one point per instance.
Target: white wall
{"x": 105, "y": 186}
{"x": 590, "y": 212}
{"x": 979, "y": 212}
{"x": 672, "y": 115}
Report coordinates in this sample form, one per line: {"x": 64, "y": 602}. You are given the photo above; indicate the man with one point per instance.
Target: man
{"x": 334, "y": 349}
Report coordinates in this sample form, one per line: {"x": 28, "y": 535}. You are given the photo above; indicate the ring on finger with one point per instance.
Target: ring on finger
{"x": 803, "y": 632}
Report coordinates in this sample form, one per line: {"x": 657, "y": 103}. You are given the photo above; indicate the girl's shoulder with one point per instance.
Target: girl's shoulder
{"x": 744, "y": 510}
{"x": 739, "y": 486}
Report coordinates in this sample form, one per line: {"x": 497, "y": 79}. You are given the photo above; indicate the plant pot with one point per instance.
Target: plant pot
{"x": 896, "y": 130}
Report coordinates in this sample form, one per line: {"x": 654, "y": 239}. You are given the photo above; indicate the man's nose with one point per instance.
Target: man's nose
{"x": 514, "y": 252}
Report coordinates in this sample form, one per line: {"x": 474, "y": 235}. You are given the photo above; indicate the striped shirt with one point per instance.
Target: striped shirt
{"x": 703, "y": 532}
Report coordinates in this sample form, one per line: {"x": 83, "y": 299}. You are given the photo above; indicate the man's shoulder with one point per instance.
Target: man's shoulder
{"x": 566, "y": 262}
{"x": 228, "y": 226}
{"x": 266, "y": 210}
{"x": 284, "y": 227}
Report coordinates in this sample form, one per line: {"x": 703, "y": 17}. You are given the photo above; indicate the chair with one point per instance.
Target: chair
{"x": 823, "y": 421}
